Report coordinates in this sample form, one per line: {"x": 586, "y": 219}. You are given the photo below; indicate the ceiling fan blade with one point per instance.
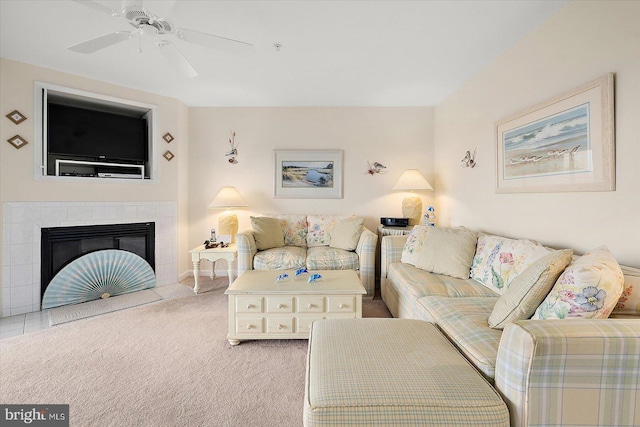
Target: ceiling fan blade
{"x": 98, "y": 7}
{"x": 177, "y": 59}
{"x": 216, "y": 42}
{"x": 101, "y": 42}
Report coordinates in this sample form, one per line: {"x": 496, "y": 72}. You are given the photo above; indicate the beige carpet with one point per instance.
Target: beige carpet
{"x": 162, "y": 364}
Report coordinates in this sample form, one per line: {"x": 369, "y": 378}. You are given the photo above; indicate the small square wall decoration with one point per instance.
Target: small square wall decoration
{"x": 168, "y": 137}
{"x": 17, "y": 141}
{"x": 16, "y": 117}
{"x": 168, "y": 155}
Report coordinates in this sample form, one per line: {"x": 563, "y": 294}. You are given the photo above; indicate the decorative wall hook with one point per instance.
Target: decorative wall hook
{"x": 469, "y": 160}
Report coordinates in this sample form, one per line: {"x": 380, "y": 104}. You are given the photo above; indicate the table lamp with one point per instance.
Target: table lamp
{"x": 228, "y": 198}
{"x": 412, "y": 180}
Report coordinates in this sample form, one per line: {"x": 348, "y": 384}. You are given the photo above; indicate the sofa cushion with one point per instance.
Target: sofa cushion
{"x": 464, "y": 322}
{"x": 529, "y": 289}
{"x": 267, "y": 232}
{"x": 320, "y": 226}
{"x": 284, "y": 258}
{"x": 346, "y": 233}
{"x": 327, "y": 258}
{"x": 415, "y": 283}
{"x": 448, "y": 251}
{"x": 589, "y": 288}
{"x": 294, "y": 228}
{"x": 499, "y": 260}
{"x": 413, "y": 245}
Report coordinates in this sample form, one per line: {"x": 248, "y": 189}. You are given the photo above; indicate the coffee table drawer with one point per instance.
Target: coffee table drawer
{"x": 304, "y": 324}
{"x": 311, "y": 304}
{"x": 280, "y": 325}
{"x": 250, "y": 325}
{"x": 248, "y": 304}
{"x": 279, "y": 304}
{"x": 341, "y": 304}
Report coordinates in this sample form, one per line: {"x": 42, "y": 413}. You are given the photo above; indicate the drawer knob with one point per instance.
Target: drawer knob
{"x": 249, "y": 326}
{"x": 280, "y": 306}
{"x": 310, "y": 306}
{"x": 280, "y": 326}
{"x": 341, "y": 306}
{"x": 249, "y": 306}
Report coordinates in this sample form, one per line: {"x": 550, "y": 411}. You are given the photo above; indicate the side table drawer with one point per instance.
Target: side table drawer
{"x": 311, "y": 304}
{"x": 279, "y": 304}
{"x": 280, "y": 325}
{"x": 342, "y": 304}
{"x": 248, "y": 304}
{"x": 251, "y": 325}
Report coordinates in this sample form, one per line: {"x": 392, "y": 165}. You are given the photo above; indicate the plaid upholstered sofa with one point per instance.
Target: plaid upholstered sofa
{"x": 551, "y": 371}
{"x": 310, "y": 241}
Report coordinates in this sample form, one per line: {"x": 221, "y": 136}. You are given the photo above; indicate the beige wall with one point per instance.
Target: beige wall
{"x": 582, "y": 42}
{"x": 399, "y": 138}
{"x": 17, "y": 181}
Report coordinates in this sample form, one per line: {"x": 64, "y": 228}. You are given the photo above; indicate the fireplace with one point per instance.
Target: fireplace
{"x": 62, "y": 245}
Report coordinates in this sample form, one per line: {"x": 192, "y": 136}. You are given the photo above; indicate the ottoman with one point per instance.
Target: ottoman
{"x": 400, "y": 372}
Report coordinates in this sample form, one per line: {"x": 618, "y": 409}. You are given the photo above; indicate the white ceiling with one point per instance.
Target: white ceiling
{"x": 334, "y": 53}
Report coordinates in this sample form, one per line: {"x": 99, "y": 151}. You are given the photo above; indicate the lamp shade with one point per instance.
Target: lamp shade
{"x": 227, "y": 197}
{"x": 412, "y": 179}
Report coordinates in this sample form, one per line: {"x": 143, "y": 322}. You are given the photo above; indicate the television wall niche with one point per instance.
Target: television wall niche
{"x": 86, "y": 135}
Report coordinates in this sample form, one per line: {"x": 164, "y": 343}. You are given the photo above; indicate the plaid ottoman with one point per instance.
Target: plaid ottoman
{"x": 400, "y": 372}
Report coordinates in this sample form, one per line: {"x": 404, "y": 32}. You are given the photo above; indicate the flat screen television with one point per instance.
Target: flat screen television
{"x": 91, "y": 134}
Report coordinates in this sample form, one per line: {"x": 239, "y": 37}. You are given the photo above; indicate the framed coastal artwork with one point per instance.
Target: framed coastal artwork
{"x": 564, "y": 144}
{"x": 308, "y": 174}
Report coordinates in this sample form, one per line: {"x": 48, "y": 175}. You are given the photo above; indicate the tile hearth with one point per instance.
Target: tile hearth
{"x": 21, "y": 225}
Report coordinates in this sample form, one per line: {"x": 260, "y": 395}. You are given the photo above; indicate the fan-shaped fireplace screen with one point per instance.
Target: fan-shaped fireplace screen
{"x": 84, "y": 263}
{"x": 99, "y": 274}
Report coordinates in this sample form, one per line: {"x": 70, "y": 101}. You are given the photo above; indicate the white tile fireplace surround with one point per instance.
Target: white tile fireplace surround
{"x": 21, "y": 224}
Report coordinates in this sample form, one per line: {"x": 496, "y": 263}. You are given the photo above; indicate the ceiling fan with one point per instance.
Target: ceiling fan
{"x": 153, "y": 27}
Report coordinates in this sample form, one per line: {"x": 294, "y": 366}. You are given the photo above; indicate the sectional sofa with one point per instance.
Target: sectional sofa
{"x": 316, "y": 242}
{"x": 567, "y": 367}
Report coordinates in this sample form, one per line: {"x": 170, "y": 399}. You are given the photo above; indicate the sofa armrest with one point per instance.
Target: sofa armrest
{"x": 366, "y": 250}
{"x": 247, "y": 249}
{"x": 390, "y": 252}
{"x": 570, "y": 372}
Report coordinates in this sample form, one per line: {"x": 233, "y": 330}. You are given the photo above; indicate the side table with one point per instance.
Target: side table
{"x": 393, "y": 231}
{"x": 230, "y": 253}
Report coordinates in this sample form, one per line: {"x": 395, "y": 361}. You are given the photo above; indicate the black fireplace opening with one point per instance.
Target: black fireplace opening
{"x": 61, "y": 245}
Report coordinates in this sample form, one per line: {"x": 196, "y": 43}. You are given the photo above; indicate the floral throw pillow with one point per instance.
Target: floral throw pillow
{"x": 320, "y": 226}
{"x": 629, "y": 302}
{"x": 413, "y": 245}
{"x": 498, "y": 260}
{"x": 294, "y": 228}
{"x": 589, "y": 288}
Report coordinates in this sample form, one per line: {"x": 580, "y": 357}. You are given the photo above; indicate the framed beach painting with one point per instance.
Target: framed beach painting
{"x": 564, "y": 144}
{"x": 308, "y": 174}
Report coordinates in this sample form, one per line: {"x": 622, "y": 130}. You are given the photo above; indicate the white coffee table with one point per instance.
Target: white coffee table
{"x": 260, "y": 308}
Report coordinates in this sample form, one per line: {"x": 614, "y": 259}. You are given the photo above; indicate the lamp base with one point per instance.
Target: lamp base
{"x": 228, "y": 224}
{"x": 412, "y": 209}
